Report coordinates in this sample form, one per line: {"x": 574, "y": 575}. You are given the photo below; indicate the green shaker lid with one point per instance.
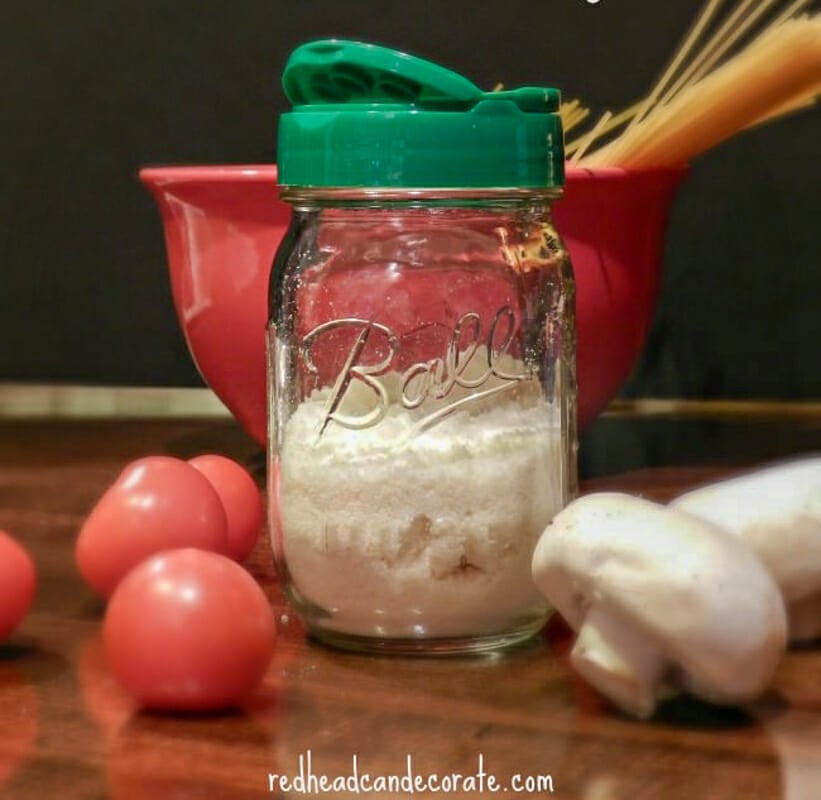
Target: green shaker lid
{"x": 370, "y": 116}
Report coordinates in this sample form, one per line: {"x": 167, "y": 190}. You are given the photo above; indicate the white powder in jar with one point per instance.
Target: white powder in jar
{"x": 394, "y": 532}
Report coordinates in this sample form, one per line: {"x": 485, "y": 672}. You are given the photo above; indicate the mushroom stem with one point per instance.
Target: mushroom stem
{"x": 620, "y": 660}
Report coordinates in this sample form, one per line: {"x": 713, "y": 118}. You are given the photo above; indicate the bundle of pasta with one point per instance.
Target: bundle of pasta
{"x": 696, "y": 105}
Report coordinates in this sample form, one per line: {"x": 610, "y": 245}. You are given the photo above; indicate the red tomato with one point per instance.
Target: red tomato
{"x": 240, "y": 499}
{"x": 189, "y": 630}
{"x": 18, "y": 581}
{"x": 157, "y": 503}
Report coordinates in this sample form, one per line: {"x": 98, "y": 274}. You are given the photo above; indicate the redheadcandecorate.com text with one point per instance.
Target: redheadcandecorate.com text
{"x": 307, "y": 781}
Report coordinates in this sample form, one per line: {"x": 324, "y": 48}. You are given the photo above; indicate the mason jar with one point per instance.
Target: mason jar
{"x": 421, "y": 348}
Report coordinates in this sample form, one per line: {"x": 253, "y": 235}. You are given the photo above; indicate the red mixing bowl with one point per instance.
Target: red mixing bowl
{"x": 223, "y": 223}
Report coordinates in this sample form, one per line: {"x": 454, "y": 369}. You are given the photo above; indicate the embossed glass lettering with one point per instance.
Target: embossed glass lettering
{"x": 352, "y": 370}
{"x": 434, "y": 378}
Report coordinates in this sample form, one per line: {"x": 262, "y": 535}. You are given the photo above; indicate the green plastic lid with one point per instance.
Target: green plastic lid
{"x": 369, "y": 116}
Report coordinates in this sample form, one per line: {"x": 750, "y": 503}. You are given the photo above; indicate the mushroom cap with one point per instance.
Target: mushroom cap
{"x": 698, "y": 592}
{"x": 777, "y": 512}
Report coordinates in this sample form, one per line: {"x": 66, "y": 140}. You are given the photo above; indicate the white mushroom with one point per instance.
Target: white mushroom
{"x": 661, "y": 601}
{"x": 777, "y": 512}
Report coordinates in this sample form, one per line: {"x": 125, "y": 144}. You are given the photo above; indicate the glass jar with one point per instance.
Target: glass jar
{"x": 422, "y": 409}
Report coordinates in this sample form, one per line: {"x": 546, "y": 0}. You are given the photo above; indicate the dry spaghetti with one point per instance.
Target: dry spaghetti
{"x": 712, "y": 88}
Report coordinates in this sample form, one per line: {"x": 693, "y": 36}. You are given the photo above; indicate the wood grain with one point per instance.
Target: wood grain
{"x": 67, "y": 731}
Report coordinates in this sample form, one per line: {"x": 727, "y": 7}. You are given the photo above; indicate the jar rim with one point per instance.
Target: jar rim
{"x": 376, "y": 196}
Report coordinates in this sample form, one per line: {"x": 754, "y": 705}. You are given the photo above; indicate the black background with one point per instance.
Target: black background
{"x": 91, "y": 90}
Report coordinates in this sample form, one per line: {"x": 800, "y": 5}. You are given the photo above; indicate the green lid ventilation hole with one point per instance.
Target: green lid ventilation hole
{"x": 338, "y": 71}
{"x": 345, "y": 83}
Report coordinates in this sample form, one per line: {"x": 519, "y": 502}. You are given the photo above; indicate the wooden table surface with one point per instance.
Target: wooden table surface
{"x": 67, "y": 731}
